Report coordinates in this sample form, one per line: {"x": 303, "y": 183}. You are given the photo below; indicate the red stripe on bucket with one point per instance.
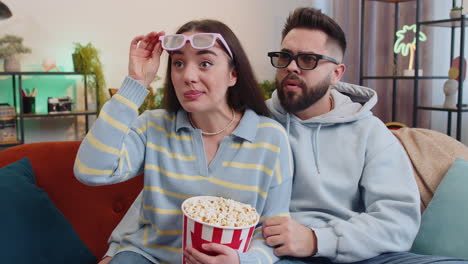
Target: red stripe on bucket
{"x": 249, "y": 236}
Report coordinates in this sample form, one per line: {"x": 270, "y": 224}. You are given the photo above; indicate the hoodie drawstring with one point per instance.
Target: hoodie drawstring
{"x": 288, "y": 122}
{"x": 315, "y": 146}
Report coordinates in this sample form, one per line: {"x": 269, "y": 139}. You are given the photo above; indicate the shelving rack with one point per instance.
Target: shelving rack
{"x": 17, "y": 85}
{"x": 448, "y": 23}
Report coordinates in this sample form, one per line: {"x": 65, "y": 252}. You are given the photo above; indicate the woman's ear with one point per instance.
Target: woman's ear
{"x": 232, "y": 77}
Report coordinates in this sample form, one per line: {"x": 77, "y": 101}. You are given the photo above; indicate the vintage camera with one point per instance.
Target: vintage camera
{"x": 59, "y": 104}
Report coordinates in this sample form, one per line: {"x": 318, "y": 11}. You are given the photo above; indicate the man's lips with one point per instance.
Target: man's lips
{"x": 292, "y": 85}
{"x": 193, "y": 94}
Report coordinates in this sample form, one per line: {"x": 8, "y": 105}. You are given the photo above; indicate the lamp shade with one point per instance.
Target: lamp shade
{"x": 4, "y": 11}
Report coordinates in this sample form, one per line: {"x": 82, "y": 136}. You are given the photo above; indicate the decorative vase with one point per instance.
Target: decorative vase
{"x": 450, "y": 91}
{"x": 12, "y": 64}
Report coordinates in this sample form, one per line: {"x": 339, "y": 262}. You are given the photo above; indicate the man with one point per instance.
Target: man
{"x": 354, "y": 196}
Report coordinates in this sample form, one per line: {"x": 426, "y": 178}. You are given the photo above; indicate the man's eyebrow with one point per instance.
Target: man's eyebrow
{"x": 287, "y": 50}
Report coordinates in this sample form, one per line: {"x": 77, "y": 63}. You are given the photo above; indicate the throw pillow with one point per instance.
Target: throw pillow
{"x": 33, "y": 230}
{"x": 444, "y": 224}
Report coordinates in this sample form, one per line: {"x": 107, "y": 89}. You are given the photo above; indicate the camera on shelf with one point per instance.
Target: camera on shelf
{"x": 59, "y": 104}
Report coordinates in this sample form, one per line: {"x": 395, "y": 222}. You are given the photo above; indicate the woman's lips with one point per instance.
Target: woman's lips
{"x": 192, "y": 95}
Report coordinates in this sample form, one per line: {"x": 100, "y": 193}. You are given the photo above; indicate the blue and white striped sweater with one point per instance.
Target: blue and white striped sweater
{"x": 253, "y": 166}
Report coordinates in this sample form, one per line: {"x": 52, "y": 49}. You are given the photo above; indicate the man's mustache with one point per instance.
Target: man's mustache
{"x": 293, "y": 77}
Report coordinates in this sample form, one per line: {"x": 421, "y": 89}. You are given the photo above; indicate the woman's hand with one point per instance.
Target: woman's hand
{"x": 105, "y": 260}
{"x": 145, "y": 54}
{"x": 222, "y": 255}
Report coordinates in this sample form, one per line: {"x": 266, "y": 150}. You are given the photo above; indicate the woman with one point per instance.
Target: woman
{"x": 212, "y": 139}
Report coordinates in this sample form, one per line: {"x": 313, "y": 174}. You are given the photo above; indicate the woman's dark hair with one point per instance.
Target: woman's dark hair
{"x": 245, "y": 94}
{"x": 311, "y": 18}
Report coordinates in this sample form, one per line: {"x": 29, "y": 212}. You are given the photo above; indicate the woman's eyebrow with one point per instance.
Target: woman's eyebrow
{"x": 202, "y": 52}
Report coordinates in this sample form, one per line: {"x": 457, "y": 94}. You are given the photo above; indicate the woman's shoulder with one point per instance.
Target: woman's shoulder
{"x": 270, "y": 128}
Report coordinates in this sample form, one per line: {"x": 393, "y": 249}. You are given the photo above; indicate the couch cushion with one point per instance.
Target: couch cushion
{"x": 33, "y": 229}
{"x": 444, "y": 223}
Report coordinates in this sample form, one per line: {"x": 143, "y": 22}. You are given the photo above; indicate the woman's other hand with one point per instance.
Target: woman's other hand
{"x": 145, "y": 55}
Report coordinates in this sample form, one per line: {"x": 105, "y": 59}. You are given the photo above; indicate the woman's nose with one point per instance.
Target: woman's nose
{"x": 190, "y": 74}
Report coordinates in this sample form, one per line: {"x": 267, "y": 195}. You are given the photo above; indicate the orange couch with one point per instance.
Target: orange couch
{"x": 92, "y": 211}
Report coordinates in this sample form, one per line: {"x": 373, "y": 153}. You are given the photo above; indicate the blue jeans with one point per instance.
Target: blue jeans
{"x": 388, "y": 258}
{"x": 129, "y": 257}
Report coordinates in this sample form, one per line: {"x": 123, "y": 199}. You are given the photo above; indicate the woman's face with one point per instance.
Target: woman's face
{"x": 201, "y": 78}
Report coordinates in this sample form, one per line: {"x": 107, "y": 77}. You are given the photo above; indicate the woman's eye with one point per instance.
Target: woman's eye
{"x": 178, "y": 64}
{"x": 206, "y": 64}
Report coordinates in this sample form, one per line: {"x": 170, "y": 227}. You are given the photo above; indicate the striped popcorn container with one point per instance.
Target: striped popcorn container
{"x": 196, "y": 233}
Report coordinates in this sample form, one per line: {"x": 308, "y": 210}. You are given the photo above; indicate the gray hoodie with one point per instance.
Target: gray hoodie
{"x": 353, "y": 183}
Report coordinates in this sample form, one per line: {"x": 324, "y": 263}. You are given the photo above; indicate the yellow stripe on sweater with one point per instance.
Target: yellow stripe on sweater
{"x": 163, "y": 211}
{"x": 170, "y": 154}
{"x": 280, "y": 128}
{"x": 90, "y": 171}
{"x": 104, "y": 116}
{"x": 101, "y": 146}
{"x": 162, "y": 129}
{"x": 251, "y": 166}
{"x": 164, "y": 116}
{"x": 160, "y": 190}
{"x": 279, "y": 177}
{"x": 264, "y": 253}
{"x": 145, "y": 243}
{"x": 127, "y": 102}
{"x": 210, "y": 179}
{"x": 256, "y": 145}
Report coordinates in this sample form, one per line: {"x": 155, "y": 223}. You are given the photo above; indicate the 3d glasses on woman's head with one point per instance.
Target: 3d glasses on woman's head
{"x": 198, "y": 41}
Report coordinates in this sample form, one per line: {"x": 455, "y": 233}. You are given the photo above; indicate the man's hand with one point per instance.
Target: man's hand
{"x": 105, "y": 260}
{"x": 222, "y": 255}
{"x": 289, "y": 237}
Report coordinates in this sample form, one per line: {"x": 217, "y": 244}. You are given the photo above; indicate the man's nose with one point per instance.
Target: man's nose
{"x": 292, "y": 67}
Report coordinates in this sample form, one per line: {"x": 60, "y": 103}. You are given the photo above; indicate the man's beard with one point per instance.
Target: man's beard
{"x": 293, "y": 103}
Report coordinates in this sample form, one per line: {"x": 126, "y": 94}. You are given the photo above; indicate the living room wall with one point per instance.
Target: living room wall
{"x": 50, "y": 27}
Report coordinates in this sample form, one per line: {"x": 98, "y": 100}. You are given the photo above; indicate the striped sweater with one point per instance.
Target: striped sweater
{"x": 252, "y": 166}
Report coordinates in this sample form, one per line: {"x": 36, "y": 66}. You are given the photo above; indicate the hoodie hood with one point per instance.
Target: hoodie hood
{"x": 351, "y": 103}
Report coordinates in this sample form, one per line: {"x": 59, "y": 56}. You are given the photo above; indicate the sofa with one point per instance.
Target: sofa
{"x": 93, "y": 212}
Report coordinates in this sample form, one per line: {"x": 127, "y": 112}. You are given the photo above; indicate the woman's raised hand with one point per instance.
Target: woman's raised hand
{"x": 145, "y": 54}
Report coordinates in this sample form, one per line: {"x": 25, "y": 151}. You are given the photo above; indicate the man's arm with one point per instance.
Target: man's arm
{"x": 389, "y": 222}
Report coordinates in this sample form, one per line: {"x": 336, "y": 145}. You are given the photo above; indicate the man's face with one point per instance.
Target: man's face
{"x": 298, "y": 89}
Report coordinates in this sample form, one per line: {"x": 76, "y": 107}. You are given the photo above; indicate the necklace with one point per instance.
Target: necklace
{"x": 214, "y": 133}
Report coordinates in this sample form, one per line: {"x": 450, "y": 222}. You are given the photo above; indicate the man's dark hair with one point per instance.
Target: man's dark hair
{"x": 311, "y": 18}
{"x": 245, "y": 94}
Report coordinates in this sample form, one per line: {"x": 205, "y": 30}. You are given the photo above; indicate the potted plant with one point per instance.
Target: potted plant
{"x": 10, "y": 45}
{"x": 86, "y": 61}
{"x": 268, "y": 87}
{"x": 456, "y": 12}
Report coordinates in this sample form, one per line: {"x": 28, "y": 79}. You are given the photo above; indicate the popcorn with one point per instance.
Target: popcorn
{"x": 220, "y": 212}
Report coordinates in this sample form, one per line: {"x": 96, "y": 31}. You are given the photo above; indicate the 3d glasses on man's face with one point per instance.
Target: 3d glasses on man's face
{"x": 198, "y": 41}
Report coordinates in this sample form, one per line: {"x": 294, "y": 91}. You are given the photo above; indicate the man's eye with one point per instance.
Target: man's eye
{"x": 308, "y": 58}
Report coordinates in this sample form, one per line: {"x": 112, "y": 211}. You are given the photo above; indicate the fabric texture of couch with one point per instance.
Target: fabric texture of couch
{"x": 92, "y": 211}
{"x": 95, "y": 211}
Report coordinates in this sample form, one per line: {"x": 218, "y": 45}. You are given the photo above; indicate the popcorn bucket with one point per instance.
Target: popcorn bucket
{"x": 197, "y": 233}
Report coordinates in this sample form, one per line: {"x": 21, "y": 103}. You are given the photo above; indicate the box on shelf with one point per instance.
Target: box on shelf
{"x": 7, "y": 123}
